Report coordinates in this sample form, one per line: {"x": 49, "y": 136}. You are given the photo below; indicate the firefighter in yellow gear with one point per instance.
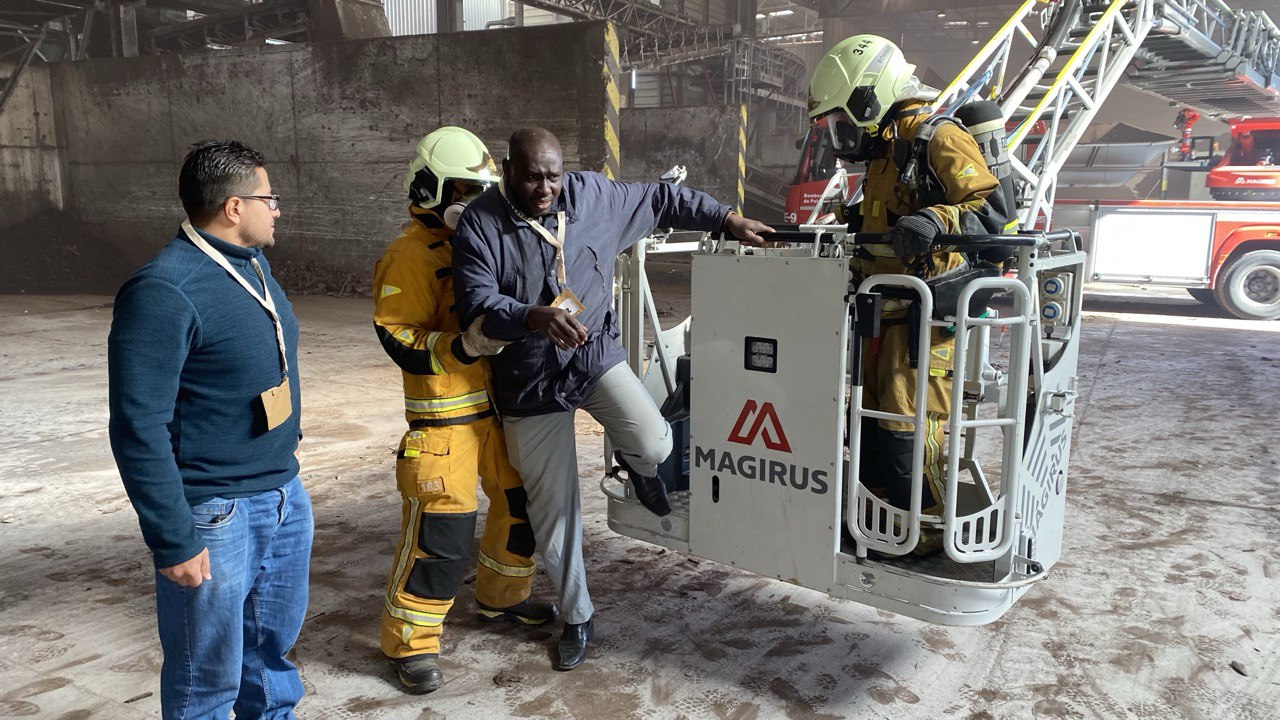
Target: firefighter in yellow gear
{"x": 453, "y": 435}
{"x": 875, "y": 110}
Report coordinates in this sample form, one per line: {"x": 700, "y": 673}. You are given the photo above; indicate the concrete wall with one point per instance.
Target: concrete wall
{"x": 703, "y": 139}
{"x": 30, "y": 177}
{"x": 337, "y": 123}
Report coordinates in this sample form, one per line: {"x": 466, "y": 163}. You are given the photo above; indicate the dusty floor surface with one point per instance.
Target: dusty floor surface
{"x": 1170, "y": 573}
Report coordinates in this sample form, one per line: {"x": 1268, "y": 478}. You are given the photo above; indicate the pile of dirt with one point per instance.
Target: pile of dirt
{"x": 54, "y": 253}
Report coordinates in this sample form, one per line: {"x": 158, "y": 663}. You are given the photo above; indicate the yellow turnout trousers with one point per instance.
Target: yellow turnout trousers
{"x": 889, "y": 385}
{"x": 436, "y": 474}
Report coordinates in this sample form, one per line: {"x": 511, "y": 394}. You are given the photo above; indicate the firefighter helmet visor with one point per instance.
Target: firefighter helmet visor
{"x": 849, "y": 140}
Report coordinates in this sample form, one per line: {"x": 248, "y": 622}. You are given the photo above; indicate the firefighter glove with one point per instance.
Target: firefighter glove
{"x": 912, "y": 236}
{"x": 476, "y": 344}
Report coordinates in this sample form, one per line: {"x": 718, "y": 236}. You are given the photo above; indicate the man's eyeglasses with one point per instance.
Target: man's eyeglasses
{"x": 272, "y": 201}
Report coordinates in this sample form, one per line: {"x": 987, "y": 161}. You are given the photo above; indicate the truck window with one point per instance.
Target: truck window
{"x": 1257, "y": 147}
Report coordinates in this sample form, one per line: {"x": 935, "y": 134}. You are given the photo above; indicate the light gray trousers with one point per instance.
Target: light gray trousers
{"x": 542, "y": 448}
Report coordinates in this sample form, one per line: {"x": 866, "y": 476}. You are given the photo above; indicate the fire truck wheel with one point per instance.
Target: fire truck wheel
{"x": 1204, "y": 295}
{"x": 1249, "y": 286}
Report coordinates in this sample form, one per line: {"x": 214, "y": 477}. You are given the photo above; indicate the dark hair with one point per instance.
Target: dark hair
{"x": 214, "y": 171}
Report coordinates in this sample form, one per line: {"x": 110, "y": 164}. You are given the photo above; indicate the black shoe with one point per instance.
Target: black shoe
{"x": 572, "y": 648}
{"x": 419, "y": 673}
{"x": 526, "y": 611}
{"x": 649, "y": 489}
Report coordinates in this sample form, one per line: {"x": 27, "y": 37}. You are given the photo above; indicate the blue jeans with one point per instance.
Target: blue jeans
{"x": 225, "y": 641}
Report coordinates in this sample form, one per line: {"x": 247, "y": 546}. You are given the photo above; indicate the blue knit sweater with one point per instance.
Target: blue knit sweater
{"x": 189, "y": 353}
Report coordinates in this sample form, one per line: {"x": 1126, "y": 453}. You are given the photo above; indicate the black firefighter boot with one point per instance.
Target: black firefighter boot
{"x": 526, "y": 611}
{"x": 895, "y": 455}
{"x": 418, "y": 673}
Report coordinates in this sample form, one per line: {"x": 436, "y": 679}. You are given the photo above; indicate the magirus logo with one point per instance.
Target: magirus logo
{"x": 774, "y": 437}
{"x": 759, "y": 421}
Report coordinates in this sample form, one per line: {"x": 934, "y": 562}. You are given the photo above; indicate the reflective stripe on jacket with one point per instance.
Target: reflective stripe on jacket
{"x": 414, "y": 318}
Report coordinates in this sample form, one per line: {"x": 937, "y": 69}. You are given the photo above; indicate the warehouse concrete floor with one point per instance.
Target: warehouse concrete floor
{"x": 1170, "y": 573}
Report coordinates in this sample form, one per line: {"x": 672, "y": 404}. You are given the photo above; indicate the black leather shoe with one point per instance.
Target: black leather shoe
{"x": 526, "y": 611}
{"x": 572, "y": 648}
{"x": 649, "y": 489}
{"x": 418, "y": 673}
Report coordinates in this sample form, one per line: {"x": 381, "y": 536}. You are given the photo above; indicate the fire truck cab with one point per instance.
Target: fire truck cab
{"x": 1250, "y": 169}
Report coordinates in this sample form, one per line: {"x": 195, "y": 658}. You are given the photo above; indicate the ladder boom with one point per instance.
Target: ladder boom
{"x": 1197, "y": 53}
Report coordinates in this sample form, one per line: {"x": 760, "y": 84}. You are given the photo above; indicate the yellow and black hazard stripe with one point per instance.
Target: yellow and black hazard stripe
{"x": 742, "y": 157}
{"x": 610, "y": 71}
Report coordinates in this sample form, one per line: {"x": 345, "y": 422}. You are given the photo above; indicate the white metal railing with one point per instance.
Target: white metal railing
{"x": 873, "y": 522}
{"x": 990, "y": 532}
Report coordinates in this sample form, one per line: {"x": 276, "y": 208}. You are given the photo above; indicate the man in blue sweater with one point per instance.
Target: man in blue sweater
{"x": 205, "y": 427}
{"x": 533, "y": 262}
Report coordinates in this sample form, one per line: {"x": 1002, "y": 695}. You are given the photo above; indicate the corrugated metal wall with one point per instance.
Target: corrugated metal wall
{"x": 810, "y": 53}
{"x": 647, "y": 89}
{"x": 410, "y": 17}
{"x": 477, "y": 13}
{"x": 418, "y": 17}
{"x": 711, "y": 12}
{"x": 534, "y": 17}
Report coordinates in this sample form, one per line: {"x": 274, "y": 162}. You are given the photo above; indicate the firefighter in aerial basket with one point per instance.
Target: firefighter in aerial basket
{"x": 926, "y": 175}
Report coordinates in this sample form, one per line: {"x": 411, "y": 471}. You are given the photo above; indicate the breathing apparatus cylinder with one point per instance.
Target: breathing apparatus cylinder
{"x": 985, "y": 122}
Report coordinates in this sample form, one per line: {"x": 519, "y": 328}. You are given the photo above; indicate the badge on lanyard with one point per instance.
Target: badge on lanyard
{"x": 277, "y": 402}
{"x": 568, "y": 302}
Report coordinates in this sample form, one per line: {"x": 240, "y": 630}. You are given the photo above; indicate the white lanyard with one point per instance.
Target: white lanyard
{"x": 556, "y": 241}
{"x": 264, "y": 299}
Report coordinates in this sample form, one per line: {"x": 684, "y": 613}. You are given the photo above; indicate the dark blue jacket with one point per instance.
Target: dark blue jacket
{"x": 502, "y": 266}
{"x": 189, "y": 352}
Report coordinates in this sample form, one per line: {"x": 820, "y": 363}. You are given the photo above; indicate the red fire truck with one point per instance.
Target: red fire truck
{"x": 1224, "y": 252}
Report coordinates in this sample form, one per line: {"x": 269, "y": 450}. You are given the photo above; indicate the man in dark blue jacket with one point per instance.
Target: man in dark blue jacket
{"x": 205, "y": 403}
{"x": 533, "y": 262}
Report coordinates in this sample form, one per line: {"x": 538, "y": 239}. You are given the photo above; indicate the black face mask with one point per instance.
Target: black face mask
{"x": 850, "y": 140}
{"x": 852, "y": 143}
